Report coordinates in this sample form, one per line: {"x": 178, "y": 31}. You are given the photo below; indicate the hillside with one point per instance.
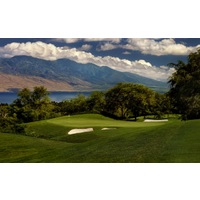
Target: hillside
{"x": 74, "y": 76}
{"x": 131, "y": 142}
{"x": 10, "y": 82}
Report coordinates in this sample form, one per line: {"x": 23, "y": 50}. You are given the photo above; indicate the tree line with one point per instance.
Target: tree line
{"x": 123, "y": 101}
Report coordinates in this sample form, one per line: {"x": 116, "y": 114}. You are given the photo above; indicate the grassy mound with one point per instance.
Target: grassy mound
{"x": 48, "y": 141}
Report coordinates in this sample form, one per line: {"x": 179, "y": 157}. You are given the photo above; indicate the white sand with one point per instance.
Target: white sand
{"x": 154, "y": 120}
{"x": 104, "y": 129}
{"x": 78, "y": 130}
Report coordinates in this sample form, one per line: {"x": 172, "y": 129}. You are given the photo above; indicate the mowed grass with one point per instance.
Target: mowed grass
{"x": 130, "y": 142}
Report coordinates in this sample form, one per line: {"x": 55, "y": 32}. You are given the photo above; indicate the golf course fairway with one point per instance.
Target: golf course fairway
{"x": 48, "y": 141}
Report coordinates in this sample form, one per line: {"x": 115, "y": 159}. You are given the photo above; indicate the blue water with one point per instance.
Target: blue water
{"x": 9, "y": 97}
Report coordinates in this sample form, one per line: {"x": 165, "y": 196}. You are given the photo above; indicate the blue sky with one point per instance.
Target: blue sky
{"x": 148, "y": 57}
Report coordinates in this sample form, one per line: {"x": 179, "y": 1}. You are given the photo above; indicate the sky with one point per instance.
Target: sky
{"x": 148, "y": 57}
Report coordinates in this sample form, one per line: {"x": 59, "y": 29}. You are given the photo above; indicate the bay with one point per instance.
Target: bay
{"x": 9, "y": 97}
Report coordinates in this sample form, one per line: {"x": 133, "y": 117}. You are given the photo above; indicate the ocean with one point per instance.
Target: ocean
{"x": 9, "y": 97}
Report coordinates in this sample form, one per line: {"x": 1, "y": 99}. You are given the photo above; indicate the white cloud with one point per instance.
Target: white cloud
{"x": 154, "y": 46}
{"x": 107, "y": 46}
{"x": 67, "y": 40}
{"x": 51, "y": 52}
{"x": 85, "y": 47}
{"x": 158, "y": 47}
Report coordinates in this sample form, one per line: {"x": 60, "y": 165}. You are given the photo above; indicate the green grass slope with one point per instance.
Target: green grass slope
{"x": 130, "y": 142}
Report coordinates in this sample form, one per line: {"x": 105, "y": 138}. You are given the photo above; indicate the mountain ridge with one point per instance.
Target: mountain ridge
{"x": 76, "y": 75}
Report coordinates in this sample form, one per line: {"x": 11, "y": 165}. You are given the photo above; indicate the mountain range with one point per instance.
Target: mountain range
{"x": 64, "y": 75}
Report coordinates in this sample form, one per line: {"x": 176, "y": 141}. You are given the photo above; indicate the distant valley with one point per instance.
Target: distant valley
{"x": 64, "y": 75}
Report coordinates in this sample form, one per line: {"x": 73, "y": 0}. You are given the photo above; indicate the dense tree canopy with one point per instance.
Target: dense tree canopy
{"x": 185, "y": 86}
{"x": 128, "y": 99}
{"x": 32, "y": 105}
{"x": 96, "y": 102}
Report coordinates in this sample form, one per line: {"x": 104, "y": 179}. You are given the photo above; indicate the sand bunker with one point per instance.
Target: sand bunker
{"x": 78, "y": 130}
{"x": 104, "y": 129}
{"x": 84, "y": 130}
{"x": 154, "y": 120}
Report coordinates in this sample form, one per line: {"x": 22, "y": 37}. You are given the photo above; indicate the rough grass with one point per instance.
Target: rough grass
{"x": 48, "y": 141}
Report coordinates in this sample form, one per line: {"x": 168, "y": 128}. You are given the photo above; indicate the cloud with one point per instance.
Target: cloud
{"x": 35, "y": 49}
{"x": 67, "y": 40}
{"x": 126, "y": 52}
{"x": 85, "y": 47}
{"x": 154, "y": 46}
{"x": 51, "y": 52}
{"x": 107, "y": 46}
{"x": 74, "y": 40}
{"x": 112, "y": 40}
{"x": 158, "y": 47}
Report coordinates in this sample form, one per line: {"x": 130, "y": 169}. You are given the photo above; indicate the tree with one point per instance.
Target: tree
{"x": 142, "y": 100}
{"x": 4, "y": 111}
{"x": 96, "y": 102}
{"x": 33, "y": 105}
{"x": 40, "y": 97}
{"x": 24, "y": 98}
{"x": 75, "y": 105}
{"x": 185, "y": 86}
{"x": 126, "y": 99}
{"x": 162, "y": 105}
{"x": 117, "y": 100}
{"x": 8, "y": 121}
{"x": 79, "y": 104}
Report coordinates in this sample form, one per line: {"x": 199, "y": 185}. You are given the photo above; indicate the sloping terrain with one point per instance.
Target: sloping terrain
{"x": 78, "y": 76}
{"x": 131, "y": 142}
{"x": 10, "y": 82}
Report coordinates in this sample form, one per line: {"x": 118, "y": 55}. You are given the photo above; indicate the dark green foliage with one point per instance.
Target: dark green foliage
{"x": 96, "y": 102}
{"x": 123, "y": 101}
{"x": 33, "y": 105}
{"x": 73, "y": 106}
{"x": 8, "y": 121}
{"x": 162, "y": 105}
{"x": 11, "y": 125}
{"x": 185, "y": 86}
{"x": 127, "y": 99}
